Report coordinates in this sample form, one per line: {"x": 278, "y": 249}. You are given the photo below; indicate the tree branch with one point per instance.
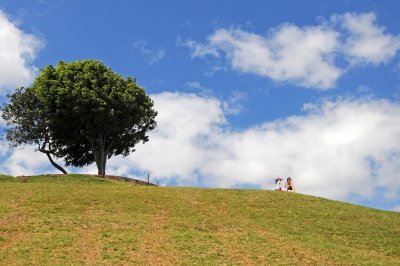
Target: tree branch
{"x": 52, "y": 162}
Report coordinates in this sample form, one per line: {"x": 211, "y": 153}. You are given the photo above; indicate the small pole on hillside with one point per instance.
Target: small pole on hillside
{"x": 148, "y": 178}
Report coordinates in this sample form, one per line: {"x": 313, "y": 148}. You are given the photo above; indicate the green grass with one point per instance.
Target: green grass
{"x": 76, "y": 220}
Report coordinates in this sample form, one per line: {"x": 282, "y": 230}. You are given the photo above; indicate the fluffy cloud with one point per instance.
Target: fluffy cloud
{"x": 17, "y": 52}
{"x": 367, "y": 42}
{"x": 344, "y": 149}
{"x": 303, "y": 56}
{"x": 329, "y": 151}
{"x": 293, "y": 54}
{"x": 339, "y": 149}
{"x": 23, "y": 161}
{"x": 180, "y": 136}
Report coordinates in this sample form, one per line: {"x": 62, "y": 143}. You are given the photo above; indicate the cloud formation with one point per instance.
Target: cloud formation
{"x": 343, "y": 149}
{"x": 304, "y": 56}
{"x": 299, "y": 55}
{"x": 23, "y": 161}
{"x": 367, "y": 42}
{"x": 17, "y": 52}
{"x": 339, "y": 149}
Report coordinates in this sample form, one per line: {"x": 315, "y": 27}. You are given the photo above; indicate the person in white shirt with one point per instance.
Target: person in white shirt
{"x": 278, "y": 182}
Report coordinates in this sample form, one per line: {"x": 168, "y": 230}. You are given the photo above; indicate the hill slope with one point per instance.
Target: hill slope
{"x": 86, "y": 220}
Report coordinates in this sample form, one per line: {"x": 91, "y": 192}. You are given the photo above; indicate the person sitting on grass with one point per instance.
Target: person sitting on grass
{"x": 278, "y": 182}
{"x": 289, "y": 185}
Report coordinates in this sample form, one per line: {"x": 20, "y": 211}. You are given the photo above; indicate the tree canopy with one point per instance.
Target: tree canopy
{"x": 28, "y": 124}
{"x": 90, "y": 112}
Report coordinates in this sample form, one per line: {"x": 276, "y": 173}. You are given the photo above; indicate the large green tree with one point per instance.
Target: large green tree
{"x": 92, "y": 113}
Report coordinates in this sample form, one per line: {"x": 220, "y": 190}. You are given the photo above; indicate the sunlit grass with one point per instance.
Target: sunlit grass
{"x": 53, "y": 220}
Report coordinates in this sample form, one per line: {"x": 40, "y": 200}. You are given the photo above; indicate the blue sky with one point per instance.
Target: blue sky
{"x": 245, "y": 92}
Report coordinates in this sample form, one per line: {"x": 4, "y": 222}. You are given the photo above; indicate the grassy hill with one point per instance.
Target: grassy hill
{"x": 53, "y": 220}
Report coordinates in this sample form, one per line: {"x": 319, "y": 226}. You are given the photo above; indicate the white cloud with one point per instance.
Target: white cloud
{"x": 339, "y": 149}
{"x": 344, "y": 149}
{"x": 25, "y": 161}
{"x": 328, "y": 151}
{"x": 152, "y": 55}
{"x": 179, "y": 136}
{"x": 17, "y": 52}
{"x": 201, "y": 50}
{"x": 292, "y": 54}
{"x": 304, "y": 56}
{"x": 367, "y": 42}
{"x": 234, "y": 104}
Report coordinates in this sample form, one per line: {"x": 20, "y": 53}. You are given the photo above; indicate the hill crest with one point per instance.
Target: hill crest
{"x": 79, "y": 219}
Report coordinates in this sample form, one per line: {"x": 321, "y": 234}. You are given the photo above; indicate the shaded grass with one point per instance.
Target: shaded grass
{"x": 48, "y": 220}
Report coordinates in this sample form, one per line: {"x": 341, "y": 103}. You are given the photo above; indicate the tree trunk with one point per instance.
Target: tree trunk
{"x": 100, "y": 160}
{"x": 100, "y": 157}
{"x": 101, "y": 166}
{"x": 102, "y": 169}
{"x": 53, "y": 163}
